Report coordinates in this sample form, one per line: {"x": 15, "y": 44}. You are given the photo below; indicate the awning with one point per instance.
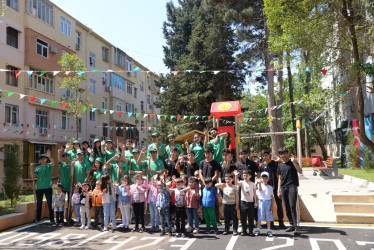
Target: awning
{"x": 43, "y": 142}
{"x": 229, "y": 108}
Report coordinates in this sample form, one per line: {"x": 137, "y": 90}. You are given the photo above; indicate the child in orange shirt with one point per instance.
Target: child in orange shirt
{"x": 97, "y": 203}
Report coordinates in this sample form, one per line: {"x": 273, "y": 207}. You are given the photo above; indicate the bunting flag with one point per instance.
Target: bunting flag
{"x": 10, "y": 93}
{"x": 18, "y": 72}
{"x": 64, "y": 104}
{"x": 42, "y": 101}
{"x": 21, "y": 96}
{"x": 119, "y": 113}
{"x": 32, "y": 99}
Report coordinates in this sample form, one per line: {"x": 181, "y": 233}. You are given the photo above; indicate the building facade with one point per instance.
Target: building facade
{"x": 35, "y": 34}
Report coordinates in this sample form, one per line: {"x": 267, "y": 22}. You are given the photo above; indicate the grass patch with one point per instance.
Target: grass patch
{"x": 358, "y": 172}
{"x": 5, "y": 207}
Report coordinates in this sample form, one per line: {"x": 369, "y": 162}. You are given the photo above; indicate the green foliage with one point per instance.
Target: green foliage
{"x": 368, "y": 163}
{"x": 12, "y": 173}
{"x": 3, "y": 7}
{"x": 353, "y": 156}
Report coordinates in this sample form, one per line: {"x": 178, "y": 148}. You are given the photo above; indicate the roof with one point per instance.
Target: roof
{"x": 189, "y": 136}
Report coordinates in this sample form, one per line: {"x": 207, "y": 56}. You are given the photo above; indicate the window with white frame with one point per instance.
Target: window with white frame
{"x": 128, "y": 66}
{"x": 12, "y": 4}
{"x": 67, "y": 93}
{"x": 40, "y": 149}
{"x": 92, "y": 87}
{"x": 130, "y": 107}
{"x": 119, "y": 105}
{"x": 77, "y": 40}
{"x": 92, "y": 60}
{"x": 142, "y": 86}
{"x": 129, "y": 88}
{"x": 10, "y": 76}
{"x": 117, "y": 82}
{"x": 41, "y": 47}
{"x": 92, "y": 116}
{"x": 119, "y": 57}
{"x": 11, "y": 114}
{"x": 41, "y": 118}
{"x": 42, "y": 10}
{"x": 105, "y": 53}
{"x": 41, "y": 82}
{"x": 65, "y": 26}
{"x": 65, "y": 120}
{"x": 104, "y": 103}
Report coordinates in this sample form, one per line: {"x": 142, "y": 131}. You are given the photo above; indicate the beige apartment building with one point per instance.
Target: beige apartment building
{"x": 36, "y": 33}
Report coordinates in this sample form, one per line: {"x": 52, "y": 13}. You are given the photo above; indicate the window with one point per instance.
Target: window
{"x": 142, "y": 87}
{"x": 105, "y": 129}
{"x": 79, "y": 125}
{"x": 104, "y": 103}
{"x": 119, "y": 56}
{"x": 42, "y": 10}
{"x": 92, "y": 60}
{"x": 42, "y": 82}
{"x": 119, "y": 105}
{"x": 92, "y": 87}
{"x": 67, "y": 94}
{"x": 92, "y": 116}
{"x": 12, "y": 37}
{"x": 41, "y": 48}
{"x": 42, "y": 121}
{"x": 117, "y": 82}
{"x": 40, "y": 149}
{"x": 11, "y": 76}
{"x": 142, "y": 125}
{"x": 105, "y": 53}
{"x": 148, "y": 83}
{"x": 129, "y": 88}
{"x": 149, "y": 119}
{"x": 130, "y": 107}
{"x": 142, "y": 106}
{"x": 134, "y": 71}
{"x": 130, "y": 134}
{"x": 135, "y": 92}
{"x": 148, "y": 99}
{"x": 77, "y": 40}
{"x": 104, "y": 77}
{"x": 65, "y": 26}
{"x": 65, "y": 120}
{"x": 12, "y": 4}
{"x": 119, "y": 129}
{"x": 11, "y": 114}
{"x": 128, "y": 67}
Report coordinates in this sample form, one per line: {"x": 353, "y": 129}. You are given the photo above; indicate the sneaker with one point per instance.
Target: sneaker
{"x": 54, "y": 225}
{"x": 61, "y": 224}
{"x": 87, "y": 227}
{"x": 177, "y": 235}
{"x": 196, "y": 231}
{"x": 157, "y": 228}
{"x": 242, "y": 233}
{"x": 290, "y": 229}
{"x": 206, "y": 231}
{"x": 219, "y": 223}
{"x": 257, "y": 232}
{"x": 135, "y": 229}
{"x": 235, "y": 233}
{"x": 189, "y": 230}
{"x": 182, "y": 235}
{"x": 170, "y": 234}
{"x": 270, "y": 234}
{"x": 216, "y": 231}
{"x": 105, "y": 228}
{"x": 282, "y": 226}
{"x": 141, "y": 230}
{"x": 173, "y": 229}
{"x": 225, "y": 232}
{"x": 162, "y": 233}
{"x": 250, "y": 233}
{"x": 211, "y": 231}
{"x": 296, "y": 232}
{"x": 82, "y": 227}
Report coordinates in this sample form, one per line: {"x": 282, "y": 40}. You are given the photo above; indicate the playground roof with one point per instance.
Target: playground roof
{"x": 229, "y": 108}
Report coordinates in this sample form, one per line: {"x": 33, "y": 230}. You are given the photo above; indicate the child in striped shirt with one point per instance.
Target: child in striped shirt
{"x": 230, "y": 203}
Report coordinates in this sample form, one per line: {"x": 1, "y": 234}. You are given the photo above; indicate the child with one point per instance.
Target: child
{"x": 97, "y": 203}
{"x": 108, "y": 192}
{"x": 189, "y": 167}
{"x": 265, "y": 193}
{"x": 172, "y": 165}
{"x": 192, "y": 200}
{"x": 58, "y": 203}
{"x": 76, "y": 203}
{"x": 152, "y": 200}
{"x": 137, "y": 191}
{"x": 247, "y": 201}
{"x": 180, "y": 209}
{"x": 170, "y": 183}
{"x": 162, "y": 204}
{"x": 230, "y": 202}
{"x": 124, "y": 199}
{"x": 208, "y": 200}
{"x": 85, "y": 206}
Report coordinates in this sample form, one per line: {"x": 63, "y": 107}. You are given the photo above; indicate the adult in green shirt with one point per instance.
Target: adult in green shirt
{"x": 217, "y": 143}
{"x": 158, "y": 146}
{"x": 73, "y": 151}
{"x": 130, "y": 145}
{"x": 43, "y": 185}
{"x": 109, "y": 150}
{"x": 80, "y": 168}
{"x": 63, "y": 161}
{"x": 153, "y": 165}
{"x": 171, "y": 139}
{"x": 197, "y": 147}
{"x": 115, "y": 167}
{"x": 97, "y": 151}
{"x": 98, "y": 171}
{"x": 132, "y": 166}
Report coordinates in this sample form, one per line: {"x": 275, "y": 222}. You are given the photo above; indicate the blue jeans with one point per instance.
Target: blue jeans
{"x": 77, "y": 210}
{"x": 155, "y": 216}
{"x": 192, "y": 215}
{"x": 165, "y": 217}
{"x": 110, "y": 210}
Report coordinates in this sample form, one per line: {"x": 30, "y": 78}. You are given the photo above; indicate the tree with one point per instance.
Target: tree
{"x": 3, "y": 7}
{"x": 77, "y": 103}
{"x": 12, "y": 173}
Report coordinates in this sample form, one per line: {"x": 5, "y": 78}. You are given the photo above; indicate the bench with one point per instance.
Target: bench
{"x": 329, "y": 170}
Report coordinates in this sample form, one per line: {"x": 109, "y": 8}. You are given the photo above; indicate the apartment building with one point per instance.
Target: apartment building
{"x": 36, "y": 33}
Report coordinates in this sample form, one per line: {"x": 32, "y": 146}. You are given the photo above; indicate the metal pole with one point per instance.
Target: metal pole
{"x": 236, "y": 138}
{"x": 299, "y": 150}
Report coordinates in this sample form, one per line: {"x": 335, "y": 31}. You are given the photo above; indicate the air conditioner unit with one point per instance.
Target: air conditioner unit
{"x": 77, "y": 46}
{"x": 108, "y": 88}
{"x": 53, "y": 49}
{"x": 43, "y": 131}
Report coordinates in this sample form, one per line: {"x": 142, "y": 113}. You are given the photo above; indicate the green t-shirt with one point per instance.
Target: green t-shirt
{"x": 199, "y": 152}
{"x": 108, "y": 156}
{"x": 162, "y": 149}
{"x": 217, "y": 148}
{"x": 44, "y": 176}
{"x": 167, "y": 150}
{"x": 73, "y": 154}
{"x": 128, "y": 154}
{"x": 155, "y": 166}
{"x": 80, "y": 171}
{"x": 115, "y": 171}
{"x": 97, "y": 174}
{"x": 86, "y": 157}
{"x": 135, "y": 166}
{"x": 65, "y": 176}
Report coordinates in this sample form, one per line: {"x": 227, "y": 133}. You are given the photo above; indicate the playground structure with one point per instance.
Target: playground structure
{"x": 232, "y": 108}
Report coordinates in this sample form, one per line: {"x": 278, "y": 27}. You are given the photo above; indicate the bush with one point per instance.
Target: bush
{"x": 368, "y": 163}
{"x": 12, "y": 173}
{"x": 353, "y": 156}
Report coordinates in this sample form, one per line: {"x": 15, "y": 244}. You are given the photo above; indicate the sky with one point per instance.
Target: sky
{"x": 133, "y": 26}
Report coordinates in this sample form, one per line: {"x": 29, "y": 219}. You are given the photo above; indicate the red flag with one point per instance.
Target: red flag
{"x": 28, "y": 125}
{"x": 32, "y": 99}
{"x": 4, "y": 124}
{"x": 64, "y": 105}
{"x": 209, "y": 117}
{"x": 21, "y": 133}
{"x": 324, "y": 71}
{"x": 122, "y": 71}
{"x": 175, "y": 73}
{"x": 151, "y": 115}
{"x": 179, "y": 117}
{"x": 18, "y": 72}
{"x": 119, "y": 113}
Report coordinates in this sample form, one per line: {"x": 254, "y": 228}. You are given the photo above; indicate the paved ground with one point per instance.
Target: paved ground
{"x": 313, "y": 237}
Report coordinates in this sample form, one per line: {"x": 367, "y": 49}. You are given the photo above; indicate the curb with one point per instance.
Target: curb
{"x": 361, "y": 182}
